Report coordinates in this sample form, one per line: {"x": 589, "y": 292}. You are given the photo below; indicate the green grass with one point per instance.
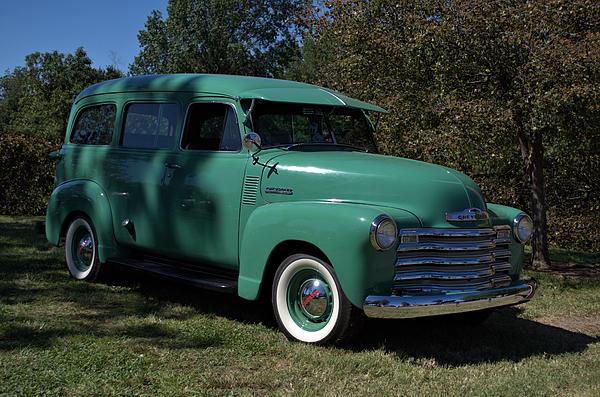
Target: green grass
{"x": 135, "y": 335}
{"x": 562, "y": 255}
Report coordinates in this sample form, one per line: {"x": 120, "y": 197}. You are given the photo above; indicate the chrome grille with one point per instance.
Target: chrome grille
{"x": 439, "y": 261}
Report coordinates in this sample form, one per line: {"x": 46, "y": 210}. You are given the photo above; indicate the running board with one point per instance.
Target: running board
{"x": 182, "y": 272}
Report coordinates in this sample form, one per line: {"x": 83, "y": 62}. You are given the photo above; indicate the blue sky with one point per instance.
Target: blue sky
{"x": 107, "y": 29}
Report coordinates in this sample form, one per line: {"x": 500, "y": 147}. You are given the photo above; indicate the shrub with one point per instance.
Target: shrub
{"x": 27, "y": 175}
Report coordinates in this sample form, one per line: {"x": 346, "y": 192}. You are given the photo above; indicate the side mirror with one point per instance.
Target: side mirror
{"x": 252, "y": 139}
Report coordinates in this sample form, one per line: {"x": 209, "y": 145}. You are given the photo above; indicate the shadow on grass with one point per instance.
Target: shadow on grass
{"x": 20, "y": 235}
{"x": 504, "y": 336}
{"x": 44, "y": 282}
{"x": 40, "y": 304}
{"x": 154, "y": 288}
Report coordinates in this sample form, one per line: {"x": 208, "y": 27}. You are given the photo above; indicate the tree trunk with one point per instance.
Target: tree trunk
{"x": 539, "y": 241}
{"x": 532, "y": 150}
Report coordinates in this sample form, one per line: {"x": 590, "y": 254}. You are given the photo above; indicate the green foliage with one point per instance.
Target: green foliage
{"x": 27, "y": 173}
{"x": 257, "y": 37}
{"x": 35, "y": 101}
{"x": 37, "y": 97}
{"x": 468, "y": 84}
{"x": 480, "y": 86}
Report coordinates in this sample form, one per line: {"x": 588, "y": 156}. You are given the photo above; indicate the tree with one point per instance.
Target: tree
{"x": 257, "y": 37}
{"x": 37, "y": 97}
{"x": 474, "y": 85}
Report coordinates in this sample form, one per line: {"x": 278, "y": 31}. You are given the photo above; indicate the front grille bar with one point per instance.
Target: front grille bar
{"x": 450, "y": 260}
{"x": 462, "y": 246}
{"x": 488, "y": 232}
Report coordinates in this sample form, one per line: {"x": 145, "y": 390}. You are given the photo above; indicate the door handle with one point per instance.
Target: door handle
{"x": 188, "y": 203}
{"x": 172, "y": 166}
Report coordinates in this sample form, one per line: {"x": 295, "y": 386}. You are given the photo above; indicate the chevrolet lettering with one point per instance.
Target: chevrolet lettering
{"x": 470, "y": 214}
{"x": 275, "y": 191}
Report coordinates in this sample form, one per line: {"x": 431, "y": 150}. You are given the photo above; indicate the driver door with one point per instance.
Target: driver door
{"x": 205, "y": 191}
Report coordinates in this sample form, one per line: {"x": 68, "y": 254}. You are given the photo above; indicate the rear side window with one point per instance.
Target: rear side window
{"x": 211, "y": 126}
{"x": 150, "y": 125}
{"x": 95, "y": 125}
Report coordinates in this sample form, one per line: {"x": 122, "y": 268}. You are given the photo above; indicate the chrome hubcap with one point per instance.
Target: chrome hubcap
{"x": 314, "y": 299}
{"x": 86, "y": 249}
{"x": 83, "y": 249}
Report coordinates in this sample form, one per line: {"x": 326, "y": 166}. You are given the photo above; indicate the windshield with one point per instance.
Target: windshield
{"x": 282, "y": 124}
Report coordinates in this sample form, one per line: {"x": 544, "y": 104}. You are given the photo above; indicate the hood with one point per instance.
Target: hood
{"x": 426, "y": 190}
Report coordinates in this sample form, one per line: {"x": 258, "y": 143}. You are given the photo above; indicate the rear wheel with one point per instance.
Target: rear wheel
{"x": 81, "y": 250}
{"x": 309, "y": 304}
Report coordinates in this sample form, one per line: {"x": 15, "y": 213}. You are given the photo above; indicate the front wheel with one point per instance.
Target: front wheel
{"x": 309, "y": 304}
{"x": 81, "y": 250}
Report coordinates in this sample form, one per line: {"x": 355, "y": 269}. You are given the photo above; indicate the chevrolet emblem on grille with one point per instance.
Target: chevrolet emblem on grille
{"x": 466, "y": 215}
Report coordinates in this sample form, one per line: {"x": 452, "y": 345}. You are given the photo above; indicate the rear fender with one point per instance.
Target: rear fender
{"x": 81, "y": 196}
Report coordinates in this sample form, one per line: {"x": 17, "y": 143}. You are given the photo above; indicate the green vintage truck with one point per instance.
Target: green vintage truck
{"x": 271, "y": 188}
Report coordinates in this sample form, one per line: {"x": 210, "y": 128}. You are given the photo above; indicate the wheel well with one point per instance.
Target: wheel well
{"x": 279, "y": 253}
{"x": 68, "y": 219}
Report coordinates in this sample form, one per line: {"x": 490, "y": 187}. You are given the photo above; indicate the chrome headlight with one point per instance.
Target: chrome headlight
{"x": 523, "y": 227}
{"x": 383, "y": 232}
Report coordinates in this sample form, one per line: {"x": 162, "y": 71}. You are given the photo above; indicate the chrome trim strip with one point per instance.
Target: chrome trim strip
{"x": 432, "y": 260}
{"x": 432, "y": 305}
{"x": 501, "y": 267}
{"x": 444, "y": 274}
{"x": 333, "y": 95}
{"x": 449, "y": 286}
{"x": 515, "y": 228}
{"x": 450, "y": 246}
{"x": 502, "y": 253}
{"x": 488, "y": 232}
{"x": 373, "y": 232}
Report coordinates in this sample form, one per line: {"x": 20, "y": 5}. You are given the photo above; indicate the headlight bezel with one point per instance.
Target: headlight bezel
{"x": 516, "y": 227}
{"x": 376, "y": 226}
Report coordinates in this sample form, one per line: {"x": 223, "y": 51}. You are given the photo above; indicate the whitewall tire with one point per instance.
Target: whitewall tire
{"x": 81, "y": 250}
{"x": 308, "y": 302}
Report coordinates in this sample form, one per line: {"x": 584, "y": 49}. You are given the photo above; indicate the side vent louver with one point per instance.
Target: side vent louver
{"x": 251, "y": 184}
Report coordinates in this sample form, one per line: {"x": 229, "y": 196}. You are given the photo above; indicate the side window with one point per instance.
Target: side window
{"x": 150, "y": 125}
{"x": 94, "y": 125}
{"x": 211, "y": 126}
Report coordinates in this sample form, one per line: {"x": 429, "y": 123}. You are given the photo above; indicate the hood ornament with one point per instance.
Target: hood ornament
{"x": 467, "y": 215}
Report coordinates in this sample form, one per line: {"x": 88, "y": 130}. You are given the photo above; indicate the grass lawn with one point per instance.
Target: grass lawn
{"x": 136, "y": 335}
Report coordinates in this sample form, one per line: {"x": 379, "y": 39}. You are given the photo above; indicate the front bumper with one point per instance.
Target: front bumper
{"x": 433, "y": 305}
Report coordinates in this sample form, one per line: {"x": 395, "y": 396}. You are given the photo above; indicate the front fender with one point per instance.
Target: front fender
{"x": 339, "y": 230}
{"x": 89, "y": 198}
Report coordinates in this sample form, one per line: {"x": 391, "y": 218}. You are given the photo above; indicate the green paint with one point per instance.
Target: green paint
{"x": 201, "y": 212}
{"x": 234, "y": 87}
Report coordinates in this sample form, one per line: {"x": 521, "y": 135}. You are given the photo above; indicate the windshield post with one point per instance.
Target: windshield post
{"x": 249, "y": 122}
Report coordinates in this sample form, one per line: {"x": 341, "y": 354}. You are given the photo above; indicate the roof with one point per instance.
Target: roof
{"x": 232, "y": 86}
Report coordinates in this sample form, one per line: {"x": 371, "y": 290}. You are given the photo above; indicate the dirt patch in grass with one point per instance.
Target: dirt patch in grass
{"x": 577, "y": 270}
{"x": 586, "y": 325}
